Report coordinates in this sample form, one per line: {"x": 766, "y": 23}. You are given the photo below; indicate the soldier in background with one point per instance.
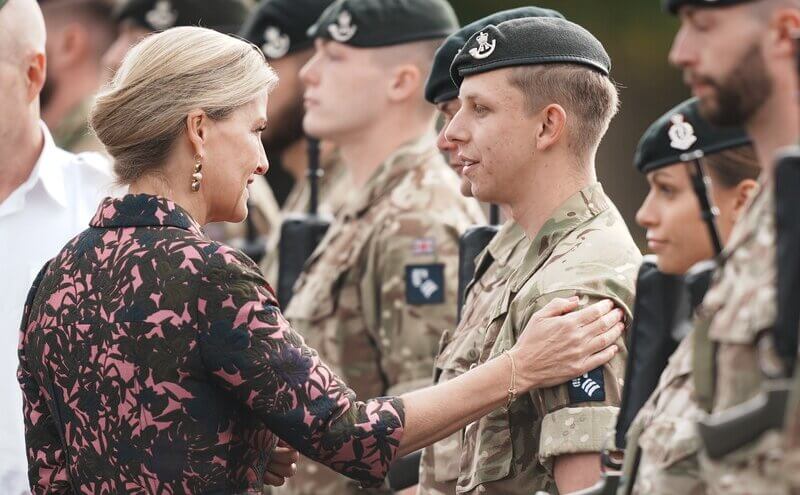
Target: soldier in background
{"x": 536, "y": 100}
{"x": 664, "y": 429}
{"x": 740, "y": 59}
{"x": 459, "y": 349}
{"x": 138, "y": 18}
{"x": 381, "y": 287}
{"x": 280, "y": 29}
{"x": 78, "y": 34}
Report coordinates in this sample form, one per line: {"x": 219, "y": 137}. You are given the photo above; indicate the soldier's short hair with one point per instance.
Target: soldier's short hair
{"x": 590, "y": 97}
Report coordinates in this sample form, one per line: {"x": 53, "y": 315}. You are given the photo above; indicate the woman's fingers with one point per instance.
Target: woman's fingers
{"x": 273, "y": 480}
{"x": 598, "y": 359}
{"x": 600, "y": 325}
{"x": 559, "y": 306}
{"x": 284, "y": 455}
{"x": 591, "y": 313}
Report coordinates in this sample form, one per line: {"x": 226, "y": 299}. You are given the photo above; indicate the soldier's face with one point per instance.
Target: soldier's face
{"x": 234, "y": 155}
{"x": 286, "y": 103}
{"x": 493, "y": 132}
{"x": 130, "y": 34}
{"x": 676, "y": 232}
{"x": 448, "y": 110}
{"x": 344, "y": 92}
{"x": 720, "y": 52}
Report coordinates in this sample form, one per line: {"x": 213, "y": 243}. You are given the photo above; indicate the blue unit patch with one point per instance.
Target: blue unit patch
{"x": 425, "y": 284}
{"x": 588, "y": 388}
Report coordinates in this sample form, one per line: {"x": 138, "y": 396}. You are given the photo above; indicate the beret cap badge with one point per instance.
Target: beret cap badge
{"x": 484, "y": 48}
{"x": 162, "y": 16}
{"x": 276, "y": 44}
{"x": 681, "y": 133}
{"x": 344, "y": 29}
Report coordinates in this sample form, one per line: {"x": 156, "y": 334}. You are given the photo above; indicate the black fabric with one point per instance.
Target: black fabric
{"x": 376, "y": 23}
{"x": 225, "y": 16}
{"x": 529, "y": 41}
{"x": 440, "y": 86}
{"x": 280, "y": 27}
{"x": 672, "y": 6}
{"x": 682, "y": 131}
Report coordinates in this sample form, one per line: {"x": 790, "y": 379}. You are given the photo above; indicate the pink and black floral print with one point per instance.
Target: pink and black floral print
{"x": 153, "y": 360}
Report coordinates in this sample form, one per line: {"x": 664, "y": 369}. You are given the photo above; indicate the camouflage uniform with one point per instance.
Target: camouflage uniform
{"x": 73, "y": 133}
{"x": 584, "y": 249}
{"x": 664, "y": 432}
{"x": 381, "y": 287}
{"x": 460, "y": 350}
{"x": 334, "y": 189}
{"x": 791, "y": 467}
{"x": 738, "y": 308}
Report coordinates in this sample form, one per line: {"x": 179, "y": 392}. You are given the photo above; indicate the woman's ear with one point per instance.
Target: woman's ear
{"x": 744, "y": 190}
{"x": 197, "y": 130}
{"x": 551, "y": 127}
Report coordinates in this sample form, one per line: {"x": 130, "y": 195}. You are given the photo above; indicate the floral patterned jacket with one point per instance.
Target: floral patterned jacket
{"x": 153, "y": 360}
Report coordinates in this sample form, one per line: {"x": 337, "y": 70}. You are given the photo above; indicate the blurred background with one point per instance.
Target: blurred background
{"x": 637, "y": 35}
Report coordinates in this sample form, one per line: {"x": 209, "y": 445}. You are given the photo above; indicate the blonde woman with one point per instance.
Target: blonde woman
{"x": 154, "y": 360}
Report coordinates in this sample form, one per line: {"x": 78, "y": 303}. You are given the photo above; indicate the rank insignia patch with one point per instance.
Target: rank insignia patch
{"x": 589, "y": 387}
{"x": 425, "y": 284}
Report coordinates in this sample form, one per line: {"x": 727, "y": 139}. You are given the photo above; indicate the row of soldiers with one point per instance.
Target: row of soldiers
{"x": 525, "y": 97}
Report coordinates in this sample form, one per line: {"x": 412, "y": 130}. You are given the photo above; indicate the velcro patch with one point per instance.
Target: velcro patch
{"x": 425, "y": 284}
{"x": 589, "y": 387}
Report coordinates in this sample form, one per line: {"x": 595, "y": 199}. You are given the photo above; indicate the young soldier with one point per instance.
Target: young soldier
{"x": 458, "y": 349}
{"x": 280, "y": 29}
{"x": 740, "y": 59}
{"x": 536, "y": 99}
{"x": 381, "y": 287}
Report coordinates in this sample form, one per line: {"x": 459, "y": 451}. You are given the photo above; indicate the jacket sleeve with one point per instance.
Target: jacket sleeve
{"x": 251, "y": 351}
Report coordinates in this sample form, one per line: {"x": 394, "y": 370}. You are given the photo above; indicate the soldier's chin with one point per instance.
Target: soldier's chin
{"x": 316, "y": 129}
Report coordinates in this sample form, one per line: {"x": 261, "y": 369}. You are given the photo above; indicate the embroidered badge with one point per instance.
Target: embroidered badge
{"x": 162, "y": 16}
{"x": 588, "y": 388}
{"x": 484, "y": 48}
{"x": 276, "y": 43}
{"x": 344, "y": 30}
{"x": 681, "y": 134}
{"x": 425, "y": 284}
{"x": 423, "y": 245}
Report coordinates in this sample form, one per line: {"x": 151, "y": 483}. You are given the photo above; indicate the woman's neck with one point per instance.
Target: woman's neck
{"x": 193, "y": 202}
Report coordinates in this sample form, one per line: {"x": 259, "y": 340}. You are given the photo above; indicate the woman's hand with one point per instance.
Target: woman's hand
{"x": 282, "y": 465}
{"x": 560, "y": 343}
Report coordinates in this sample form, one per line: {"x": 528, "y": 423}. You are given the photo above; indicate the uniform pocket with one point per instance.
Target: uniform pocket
{"x": 669, "y": 440}
{"x": 487, "y": 451}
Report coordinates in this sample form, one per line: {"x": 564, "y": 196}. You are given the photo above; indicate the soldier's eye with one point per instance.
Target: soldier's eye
{"x": 481, "y": 110}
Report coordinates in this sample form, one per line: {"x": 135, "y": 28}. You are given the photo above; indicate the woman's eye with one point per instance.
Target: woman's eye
{"x": 666, "y": 190}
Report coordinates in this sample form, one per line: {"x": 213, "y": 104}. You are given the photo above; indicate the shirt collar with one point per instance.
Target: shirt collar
{"x": 575, "y": 211}
{"x": 49, "y": 169}
{"x": 143, "y": 210}
{"x": 406, "y": 158}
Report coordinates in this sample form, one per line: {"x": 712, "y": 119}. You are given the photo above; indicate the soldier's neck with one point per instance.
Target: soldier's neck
{"x": 541, "y": 196}
{"x": 295, "y": 159}
{"x": 67, "y": 97}
{"x": 773, "y": 127}
{"x": 364, "y": 153}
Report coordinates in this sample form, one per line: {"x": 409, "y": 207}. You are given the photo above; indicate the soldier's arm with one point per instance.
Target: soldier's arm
{"x": 578, "y": 417}
{"x": 411, "y": 277}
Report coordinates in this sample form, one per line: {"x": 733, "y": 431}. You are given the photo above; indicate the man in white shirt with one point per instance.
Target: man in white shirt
{"x": 47, "y": 196}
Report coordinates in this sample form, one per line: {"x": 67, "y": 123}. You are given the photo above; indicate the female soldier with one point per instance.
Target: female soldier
{"x": 155, "y": 360}
{"x": 673, "y": 151}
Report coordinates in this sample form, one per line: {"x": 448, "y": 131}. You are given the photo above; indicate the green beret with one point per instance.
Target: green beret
{"x": 529, "y": 41}
{"x": 225, "y": 16}
{"x": 673, "y": 6}
{"x": 440, "y": 85}
{"x": 376, "y": 23}
{"x": 280, "y": 27}
{"x": 681, "y": 135}
{"x": 2, "y": 2}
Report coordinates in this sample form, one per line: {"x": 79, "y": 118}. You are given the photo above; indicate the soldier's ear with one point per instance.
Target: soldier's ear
{"x": 784, "y": 32}
{"x": 744, "y": 190}
{"x": 551, "y": 126}
{"x": 405, "y": 82}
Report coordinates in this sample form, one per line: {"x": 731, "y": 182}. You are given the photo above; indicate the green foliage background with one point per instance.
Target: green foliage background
{"x": 637, "y": 35}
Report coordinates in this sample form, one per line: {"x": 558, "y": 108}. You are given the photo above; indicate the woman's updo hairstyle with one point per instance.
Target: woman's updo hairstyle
{"x": 142, "y": 111}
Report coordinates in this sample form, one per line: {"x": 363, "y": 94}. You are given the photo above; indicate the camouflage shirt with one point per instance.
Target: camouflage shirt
{"x": 739, "y": 307}
{"x": 584, "y": 249}
{"x": 381, "y": 287}
{"x": 73, "y": 133}
{"x": 665, "y": 432}
{"x": 460, "y": 350}
{"x": 334, "y": 189}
